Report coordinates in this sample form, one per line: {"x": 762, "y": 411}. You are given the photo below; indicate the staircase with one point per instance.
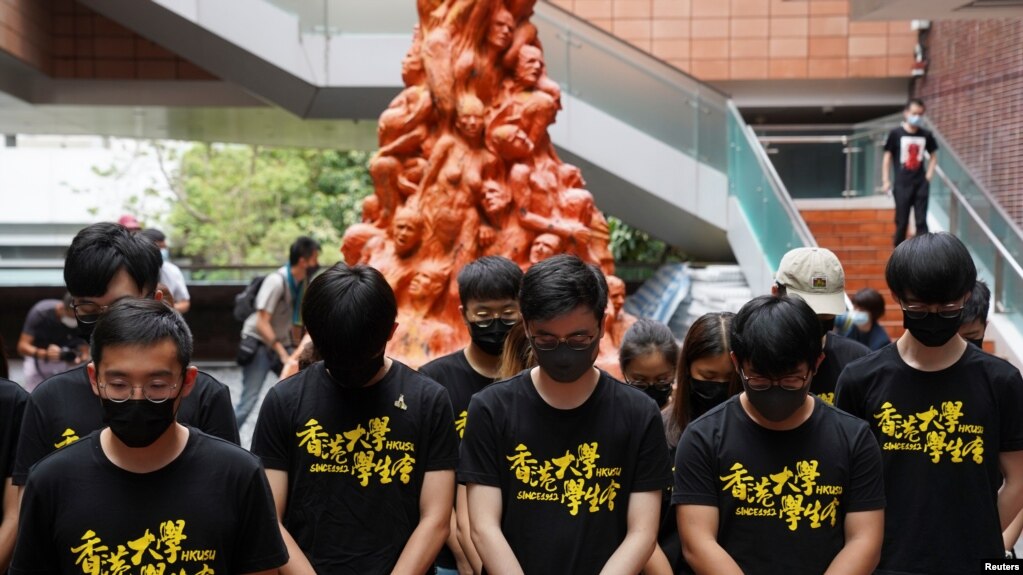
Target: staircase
{"x": 862, "y": 240}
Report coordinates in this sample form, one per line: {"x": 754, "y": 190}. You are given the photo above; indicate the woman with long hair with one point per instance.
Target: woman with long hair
{"x": 705, "y": 377}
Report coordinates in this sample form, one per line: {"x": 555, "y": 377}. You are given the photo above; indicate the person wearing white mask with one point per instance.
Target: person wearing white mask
{"x": 50, "y": 342}
{"x": 170, "y": 274}
{"x": 907, "y": 143}
{"x": 862, "y": 323}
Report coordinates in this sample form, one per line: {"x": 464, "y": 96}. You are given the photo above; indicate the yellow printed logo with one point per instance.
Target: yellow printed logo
{"x": 828, "y": 398}
{"x": 570, "y": 479}
{"x": 460, "y": 423}
{"x": 789, "y": 495}
{"x": 151, "y": 553}
{"x": 364, "y": 451}
{"x": 932, "y": 432}
{"x": 67, "y": 438}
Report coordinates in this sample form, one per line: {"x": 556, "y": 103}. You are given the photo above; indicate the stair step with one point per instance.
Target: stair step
{"x": 832, "y": 216}
{"x": 874, "y": 240}
{"x": 852, "y": 228}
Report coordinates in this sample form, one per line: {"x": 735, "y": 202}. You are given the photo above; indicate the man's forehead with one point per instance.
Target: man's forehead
{"x": 492, "y": 303}
{"x": 160, "y": 356}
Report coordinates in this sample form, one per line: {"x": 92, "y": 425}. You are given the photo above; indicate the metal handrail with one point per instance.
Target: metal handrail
{"x": 883, "y": 125}
{"x": 774, "y": 180}
{"x": 946, "y": 149}
{"x": 1002, "y": 255}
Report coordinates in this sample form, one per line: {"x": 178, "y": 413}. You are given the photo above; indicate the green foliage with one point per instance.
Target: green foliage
{"x": 629, "y": 245}
{"x": 245, "y": 205}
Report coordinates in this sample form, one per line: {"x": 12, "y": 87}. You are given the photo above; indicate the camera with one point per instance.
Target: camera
{"x": 68, "y": 354}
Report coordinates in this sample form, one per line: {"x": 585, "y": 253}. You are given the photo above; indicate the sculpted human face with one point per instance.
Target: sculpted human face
{"x": 616, "y": 294}
{"x": 470, "y": 123}
{"x": 426, "y": 284}
{"x": 495, "y": 198}
{"x": 530, "y": 66}
{"x": 406, "y": 235}
{"x": 544, "y": 246}
{"x": 501, "y": 30}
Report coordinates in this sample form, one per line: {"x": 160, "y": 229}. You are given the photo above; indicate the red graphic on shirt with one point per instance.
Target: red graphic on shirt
{"x": 912, "y": 152}
{"x": 913, "y": 157}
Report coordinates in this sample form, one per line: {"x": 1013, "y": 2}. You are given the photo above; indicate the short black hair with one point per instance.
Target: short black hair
{"x": 349, "y": 312}
{"x": 775, "y": 334}
{"x": 303, "y": 247}
{"x": 933, "y": 268}
{"x": 871, "y": 301}
{"x": 154, "y": 235}
{"x": 646, "y": 336}
{"x": 100, "y": 250}
{"x": 976, "y": 308}
{"x": 558, "y": 285}
{"x": 489, "y": 278}
{"x": 142, "y": 323}
{"x": 916, "y": 101}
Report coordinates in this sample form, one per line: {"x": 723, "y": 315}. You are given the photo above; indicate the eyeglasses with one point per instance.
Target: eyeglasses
{"x": 578, "y": 342}
{"x": 920, "y": 311}
{"x": 659, "y": 385}
{"x": 156, "y": 391}
{"x": 89, "y": 312}
{"x": 788, "y": 383}
{"x": 486, "y": 319}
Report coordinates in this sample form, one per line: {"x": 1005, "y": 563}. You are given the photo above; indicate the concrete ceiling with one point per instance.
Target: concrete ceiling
{"x": 935, "y": 9}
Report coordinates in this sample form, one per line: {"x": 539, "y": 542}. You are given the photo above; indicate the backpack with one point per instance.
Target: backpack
{"x": 245, "y": 302}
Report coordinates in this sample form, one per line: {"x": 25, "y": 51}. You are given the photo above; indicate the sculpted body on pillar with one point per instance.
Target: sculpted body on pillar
{"x": 466, "y": 168}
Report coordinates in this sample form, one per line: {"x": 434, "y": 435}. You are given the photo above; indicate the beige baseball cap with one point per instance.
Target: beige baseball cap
{"x": 816, "y": 275}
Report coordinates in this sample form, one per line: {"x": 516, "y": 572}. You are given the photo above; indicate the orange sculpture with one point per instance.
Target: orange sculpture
{"x": 466, "y": 168}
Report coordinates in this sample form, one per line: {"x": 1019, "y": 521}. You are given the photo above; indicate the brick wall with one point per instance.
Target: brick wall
{"x": 756, "y": 39}
{"x": 974, "y": 95}
{"x": 25, "y": 31}
{"x": 64, "y": 39}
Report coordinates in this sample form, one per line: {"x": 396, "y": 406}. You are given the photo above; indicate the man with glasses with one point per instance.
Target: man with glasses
{"x": 489, "y": 290}
{"x": 146, "y": 493}
{"x": 563, "y": 465}
{"x": 947, "y": 417}
{"x": 816, "y": 276}
{"x": 106, "y": 264}
{"x": 774, "y": 480}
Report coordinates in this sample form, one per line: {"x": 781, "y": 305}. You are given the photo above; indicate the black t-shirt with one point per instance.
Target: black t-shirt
{"x": 839, "y": 352}
{"x": 462, "y": 382}
{"x": 940, "y": 435}
{"x": 355, "y": 460}
{"x": 46, "y": 328}
{"x": 64, "y": 408}
{"x": 210, "y": 511}
{"x": 907, "y": 150}
{"x": 782, "y": 496}
{"x": 12, "y": 405}
{"x": 565, "y": 474}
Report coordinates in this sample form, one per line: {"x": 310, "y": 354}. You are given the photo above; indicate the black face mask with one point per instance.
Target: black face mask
{"x": 932, "y": 330}
{"x": 310, "y": 271}
{"x": 660, "y": 396}
{"x": 977, "y": 342}
{"x": 775, "y": 403}
{"x": 564, "y": 364}
{"x": 490, "y": 339}
{"x": 138, "y": 422}
{"x": 827, "y": 325}
{"x": 355, "y": 375}
{"x": 85, "y": 330}
{"x": 706, "y": 395}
